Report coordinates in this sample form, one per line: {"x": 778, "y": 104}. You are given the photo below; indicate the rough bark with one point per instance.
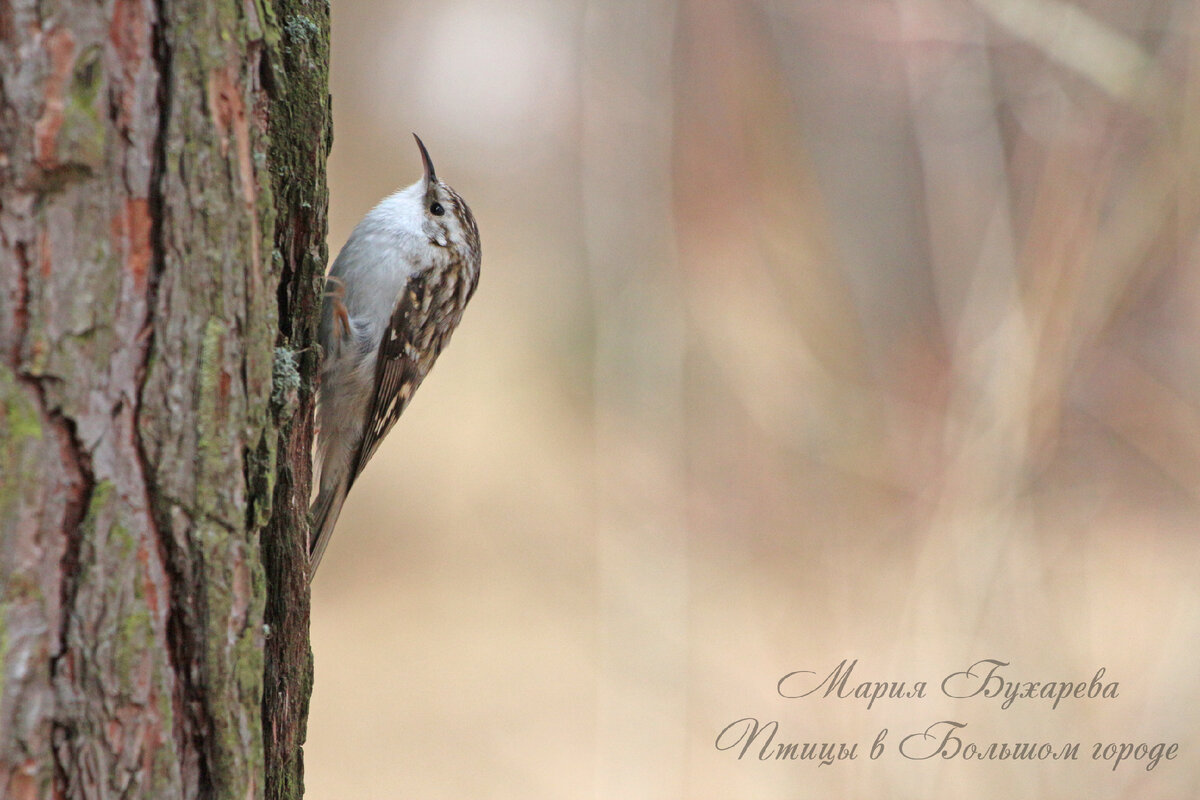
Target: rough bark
{"x": 300, "y": 130}
{"x": 156, "y": 322}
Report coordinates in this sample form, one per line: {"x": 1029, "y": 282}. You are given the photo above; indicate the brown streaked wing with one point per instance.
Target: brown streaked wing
{"x": 398, "y": 368}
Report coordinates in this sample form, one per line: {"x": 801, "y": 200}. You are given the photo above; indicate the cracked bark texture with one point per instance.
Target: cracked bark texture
{"x": 162, "y": 213}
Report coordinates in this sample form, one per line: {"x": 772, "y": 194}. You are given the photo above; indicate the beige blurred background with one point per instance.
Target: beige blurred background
{"x": 808, "y": 331}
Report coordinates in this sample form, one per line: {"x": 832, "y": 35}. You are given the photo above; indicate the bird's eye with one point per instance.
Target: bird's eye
{"x": 436, "y": 209}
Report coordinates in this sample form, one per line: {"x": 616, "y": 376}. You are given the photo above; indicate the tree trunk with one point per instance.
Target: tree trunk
{"x": 162, "y": 212}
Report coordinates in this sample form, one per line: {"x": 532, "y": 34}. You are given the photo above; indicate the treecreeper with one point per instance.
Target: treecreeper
{"x": 394, "y": 295}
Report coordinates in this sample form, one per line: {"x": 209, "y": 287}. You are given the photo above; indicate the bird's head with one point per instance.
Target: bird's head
{"x": 447, "y": 221}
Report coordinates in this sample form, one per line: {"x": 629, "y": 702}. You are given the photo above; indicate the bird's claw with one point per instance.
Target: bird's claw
{"x": 341, "y": 317}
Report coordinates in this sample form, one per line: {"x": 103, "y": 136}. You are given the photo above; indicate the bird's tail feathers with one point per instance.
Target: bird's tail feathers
{"x": 325, "y": 511}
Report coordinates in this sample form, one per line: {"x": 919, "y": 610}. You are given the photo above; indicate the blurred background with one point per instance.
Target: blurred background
{"x": 807, "y": 331}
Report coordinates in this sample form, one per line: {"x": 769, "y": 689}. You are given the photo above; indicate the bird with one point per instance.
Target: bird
{"x": 394, "y": 295}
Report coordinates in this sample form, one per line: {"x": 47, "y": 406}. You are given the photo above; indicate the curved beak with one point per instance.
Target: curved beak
{"x": 430, "y": 175}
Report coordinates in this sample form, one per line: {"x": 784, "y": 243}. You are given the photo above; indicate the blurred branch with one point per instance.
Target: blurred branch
{"x": 1152, "y": 418}
{"x": 781, "y": 324}
{"x": 641, "y": 538}
{"x": 1082, "y": 43}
